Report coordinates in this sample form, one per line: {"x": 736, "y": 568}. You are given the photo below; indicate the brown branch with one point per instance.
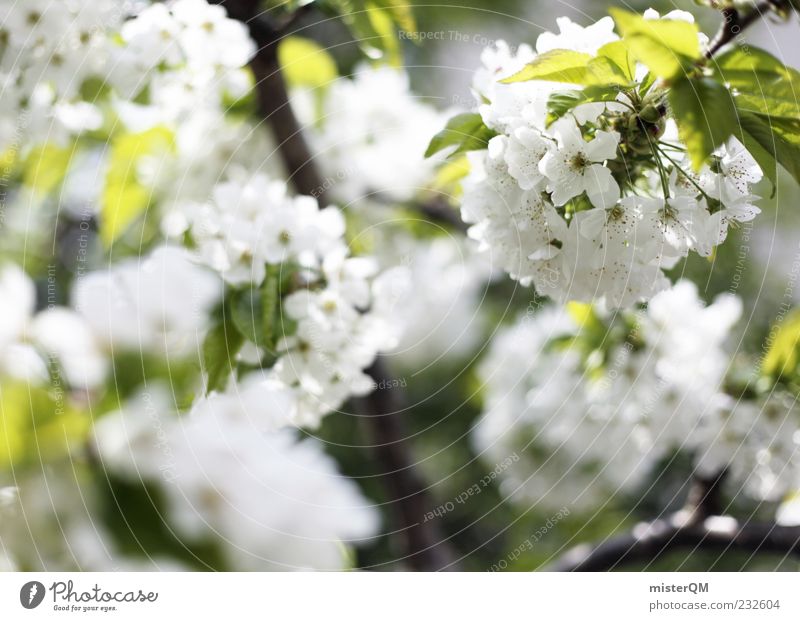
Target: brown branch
{"x": 652, "y": 540}
{"x": 424, "y": 547}
{"x": 441, "y": 212}
{"x": 437, "y": 210}
{"x": 734, "y": 23}
{"x": 273, "y": 98}
{"x": 698, "y": 526}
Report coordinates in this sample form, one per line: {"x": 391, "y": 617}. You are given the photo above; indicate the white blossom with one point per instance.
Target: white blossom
{"x": 251, "y": 223}
{"x": 34, "y": 344}
{"x": 563, "y": 205}
{"x": 159, "y": 304}
{"x": 576, "y": 166}
{"x": 270, "y": 501}
{"x": 609, "y": 417}
{"x": 368, "y": 147}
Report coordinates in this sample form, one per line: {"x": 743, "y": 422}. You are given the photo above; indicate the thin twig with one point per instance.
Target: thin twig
{"x": 442, "y": 212}
{"x": 734, "y": 23}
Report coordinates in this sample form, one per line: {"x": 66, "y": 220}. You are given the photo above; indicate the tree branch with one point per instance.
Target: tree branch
{"x": 441, "y": 212}
{"x": 698, "y": 526}
{"x": 437, "y": 210}
{"x": 273, "y": 99}
{"x": 734, "y": 23}
{"x": 650, "y": 541}
{"x": 424, "y": 547}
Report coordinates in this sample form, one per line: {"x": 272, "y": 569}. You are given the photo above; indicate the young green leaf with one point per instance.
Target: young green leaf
{"x": 769, "y": 145}
{"x": 562, "y": 102}
{"x": 669, "y": 47}
{"x": 270, "y": 303}
{"x": 761, "y": 83}
{"x": 620, "y": 55}
{"x": 37, "y": 425}
{"x": 781, "y": 360}
{"x": 400, "y": 12}
{"x": 124, "y": 197}
{"x": 751, "y": 69}
{"x": 571, "y": 68}
{"x": 220, "y": 347}
{"x": 246, "y": 311}
{"x": 554, "y": 66}
{"x": 706, "y": 116}
{"x": 373, "y": 24}
{"x": 466, "y": 130}
{"x": 306, "y": 63}
{"x": 45, "y": 167}
{"x": 772, "y": 104}
{"x": 448, "y": 177}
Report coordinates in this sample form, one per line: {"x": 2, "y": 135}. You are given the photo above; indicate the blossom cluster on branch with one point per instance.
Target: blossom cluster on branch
{"x": 590, "y": 193}
{"x": 601, "y": 399}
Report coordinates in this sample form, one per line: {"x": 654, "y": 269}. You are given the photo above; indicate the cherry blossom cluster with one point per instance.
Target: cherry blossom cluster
{"x": 369, "y": 150}
{"x": 338, "y": 308}
{"x": 599, "y": 399}
{"x": 159, "y": 303}
{"x": 64, "y": 65}
{"x": 596, "y": 203}
{"x": 277, "y": 503}
{"x": 48, "y": 50}
{"x": 37, "y": 345}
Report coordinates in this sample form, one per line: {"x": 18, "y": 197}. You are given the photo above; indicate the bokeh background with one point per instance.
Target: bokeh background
{"x": 456, "y": 319}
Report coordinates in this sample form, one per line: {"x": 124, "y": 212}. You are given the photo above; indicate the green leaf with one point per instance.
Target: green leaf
{"x": 620, "y": 55}
{"x": 769, "y": 145}
{"x": 706, "y": 116}
{"x": 554, "y": 66}
{"x": 572, "y": 68}
{"x": 220, "y": 347}
{"x": 401, "y": 13}
{"x": 761, "y": 83}
{"x": 37, "y": 425}
{"x": 45, "y": 167}
{"x": 647, "y": 83}
{"x": 305, "y": 63}
{"x": 448, "y": 177}
{"x": 562, "y": 102}
{"x": 669, "y": 47}
{"x": 374, "y": 25}
{"x": 466, "y": 130}
{"x": 771, "y": 104}
{"x": 93, "y": 89}
{"x": 270, "y": 305}
{"x": 603, "y": 71}
{"x": 246, "y": 312}
{"x": 124, "y": 197}
{"x": 254, "y": 310}
{"x": 782, "y": 357}
{"x": 743, "y": 68}
{"x": 383, "y": 27}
